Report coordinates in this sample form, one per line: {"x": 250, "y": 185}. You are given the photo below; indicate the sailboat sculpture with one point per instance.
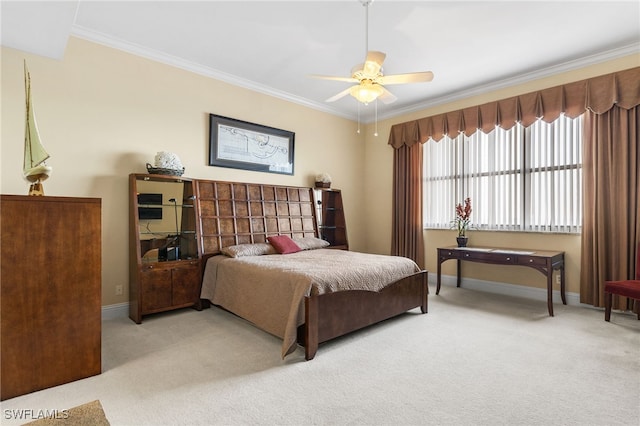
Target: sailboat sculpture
{"x": 35, "y": 169}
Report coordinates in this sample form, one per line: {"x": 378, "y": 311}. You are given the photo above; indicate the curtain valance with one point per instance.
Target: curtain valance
{"x": 598, "y": 94}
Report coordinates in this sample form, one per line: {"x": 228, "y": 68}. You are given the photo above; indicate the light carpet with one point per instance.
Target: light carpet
{"x": 475, "y": 359}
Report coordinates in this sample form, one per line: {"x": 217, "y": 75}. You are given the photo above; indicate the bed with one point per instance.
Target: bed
{"x": 302, "y": 305}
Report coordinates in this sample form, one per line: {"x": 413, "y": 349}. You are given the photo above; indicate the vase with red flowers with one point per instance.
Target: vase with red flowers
{"x": 462, "y": 221}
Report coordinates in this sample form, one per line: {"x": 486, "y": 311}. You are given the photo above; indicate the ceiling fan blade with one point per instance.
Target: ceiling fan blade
{"x": 373, "y": 63}
{"x": 387, "y": 97}
{"x": 415, "y": 77}
{"x": 328, "y": 77}
{"x": 342, "y": 94}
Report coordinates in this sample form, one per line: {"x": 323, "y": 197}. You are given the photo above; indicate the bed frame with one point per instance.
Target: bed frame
{"x": 230, "y": 213}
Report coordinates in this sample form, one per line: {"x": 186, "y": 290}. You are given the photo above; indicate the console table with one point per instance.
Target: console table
{"x": 543, "y": 261}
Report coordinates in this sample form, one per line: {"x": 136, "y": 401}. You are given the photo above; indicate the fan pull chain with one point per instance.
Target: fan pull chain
{"x": 358, "y": 132}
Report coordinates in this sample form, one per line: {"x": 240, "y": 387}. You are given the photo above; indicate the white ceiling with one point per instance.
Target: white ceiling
{"x": 272, "y": 46}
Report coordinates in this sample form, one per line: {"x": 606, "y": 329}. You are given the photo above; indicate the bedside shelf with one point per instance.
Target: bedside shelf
{"x": 164, "y": 265}
{"x": 331, "y": 220}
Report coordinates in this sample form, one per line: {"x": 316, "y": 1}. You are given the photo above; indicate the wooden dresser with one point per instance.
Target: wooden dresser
{"x": 50, "y": 308}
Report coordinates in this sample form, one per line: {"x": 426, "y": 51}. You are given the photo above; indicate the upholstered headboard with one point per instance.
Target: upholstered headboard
{"x": 232, "y": 213}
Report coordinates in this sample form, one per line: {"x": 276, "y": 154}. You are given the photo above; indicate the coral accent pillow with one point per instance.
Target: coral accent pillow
{"x": 283, "y": 244}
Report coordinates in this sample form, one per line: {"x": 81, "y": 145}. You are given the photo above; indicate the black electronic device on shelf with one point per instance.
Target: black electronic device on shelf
{"x": 149, "y": 213}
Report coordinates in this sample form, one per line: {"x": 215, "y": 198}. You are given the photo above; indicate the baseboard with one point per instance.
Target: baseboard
{"x": 505, "y": 289}
{"x": 119, "y": 310}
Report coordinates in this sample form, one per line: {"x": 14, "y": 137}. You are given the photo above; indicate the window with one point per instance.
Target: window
{"x": 521, "y": 179}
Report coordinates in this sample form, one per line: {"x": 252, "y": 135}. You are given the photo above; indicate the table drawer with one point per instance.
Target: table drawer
{"x": 449, "y": 254}
{"x": 502, "y": 258}
{"x": 532, "y": 260}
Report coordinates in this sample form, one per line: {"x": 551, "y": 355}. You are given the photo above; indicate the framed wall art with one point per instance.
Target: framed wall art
{"x": 242, "y": 145}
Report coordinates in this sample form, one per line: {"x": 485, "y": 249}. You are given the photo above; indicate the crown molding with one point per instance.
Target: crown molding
{"x": 364, "y": 118}
{"x": 154, "y": 55}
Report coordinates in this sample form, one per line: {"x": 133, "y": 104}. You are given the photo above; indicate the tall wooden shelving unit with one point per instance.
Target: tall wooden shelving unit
{"x": 331, "y": 220}
{"x": 164, "y": 269}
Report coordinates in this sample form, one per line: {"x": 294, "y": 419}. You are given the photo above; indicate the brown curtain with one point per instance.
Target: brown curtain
{"x": 407, "y": 239}
{"x": 597, "y": 94}
{"x": 611, "y": 186}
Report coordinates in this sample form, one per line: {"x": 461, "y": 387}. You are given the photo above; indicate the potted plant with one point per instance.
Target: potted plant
{"x": 462, "y": 221}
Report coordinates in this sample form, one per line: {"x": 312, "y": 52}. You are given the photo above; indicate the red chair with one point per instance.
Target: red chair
{"x": 626, "y": 288}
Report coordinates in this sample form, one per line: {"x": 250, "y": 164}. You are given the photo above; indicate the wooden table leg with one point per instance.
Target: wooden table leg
{"x": 439, "y": 276}
{"x": 562, "y": 286}
{"x": 458, "y": 272}
{"x": 550, "y": 291}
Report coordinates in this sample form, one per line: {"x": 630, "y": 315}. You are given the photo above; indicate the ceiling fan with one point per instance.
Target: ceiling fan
{"x": 369, "y": 77}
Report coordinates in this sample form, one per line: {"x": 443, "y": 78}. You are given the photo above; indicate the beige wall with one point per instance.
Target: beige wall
{"x": 378, "y": 184}
{"x": 103, "y": 114}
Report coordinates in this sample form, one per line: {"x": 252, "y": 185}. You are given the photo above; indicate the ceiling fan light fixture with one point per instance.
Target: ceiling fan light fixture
{"x": 370, "y": 82}
{"x": 366, "y": 91}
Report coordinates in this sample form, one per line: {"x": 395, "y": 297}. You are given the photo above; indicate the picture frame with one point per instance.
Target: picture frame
{"x": 242, "y": 145}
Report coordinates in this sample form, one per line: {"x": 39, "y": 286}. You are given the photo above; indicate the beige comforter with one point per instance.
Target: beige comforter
{"x": 269, "y": 290}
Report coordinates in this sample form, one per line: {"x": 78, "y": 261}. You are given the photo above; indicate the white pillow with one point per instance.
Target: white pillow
{"x": 256, "y": 249}
{"x": 310, "y": 243}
